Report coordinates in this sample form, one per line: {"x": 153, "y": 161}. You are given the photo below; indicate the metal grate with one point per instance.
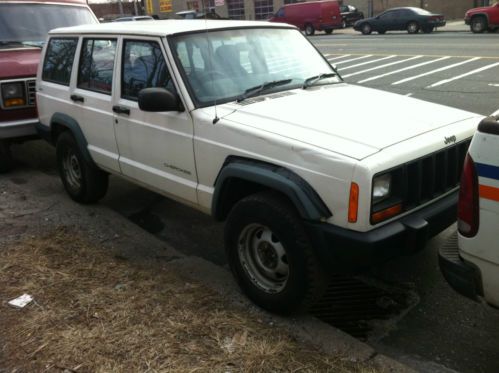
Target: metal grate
{"x": 433, "y": 175}
{"x": 31, "y": 92}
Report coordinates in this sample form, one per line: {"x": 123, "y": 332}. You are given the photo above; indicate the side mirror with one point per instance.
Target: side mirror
{"x": 159, "y": 99}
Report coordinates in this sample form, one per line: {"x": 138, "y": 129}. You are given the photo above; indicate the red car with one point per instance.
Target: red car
{"x": 484, "y": 18}
{"x": 23, "y": 31}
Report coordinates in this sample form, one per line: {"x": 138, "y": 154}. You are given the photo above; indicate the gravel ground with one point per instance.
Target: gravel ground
{"x": 39, "y": 223}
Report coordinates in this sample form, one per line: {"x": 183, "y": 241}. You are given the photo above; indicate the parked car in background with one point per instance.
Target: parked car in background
{"x": 484, "y": 18}
{"x": 470, "y": 261}
{"x": 23, "y": 30}
{"x": 411, "y": 19}
{"x": 350, "y": 15}
{"x": 234, "y": 118}
{"x": 311, "y": 16}
{"x": 133, "y": 18}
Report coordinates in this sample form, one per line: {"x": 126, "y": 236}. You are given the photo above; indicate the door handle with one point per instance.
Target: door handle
{"x": 77, "y": 98}
{"x": 121, "y": 110}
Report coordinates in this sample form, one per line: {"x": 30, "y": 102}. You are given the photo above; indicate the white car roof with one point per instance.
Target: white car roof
{"x": 163, "y": 27}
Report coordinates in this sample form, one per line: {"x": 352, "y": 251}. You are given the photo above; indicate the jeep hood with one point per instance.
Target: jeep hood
{"x": 346, "y": 119}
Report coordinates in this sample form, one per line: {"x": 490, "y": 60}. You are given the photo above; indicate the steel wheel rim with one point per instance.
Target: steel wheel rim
{"x": 412, "y": 27}
{"x": 263, "y": 258}
{"x": 367, "y": 29}
{"x": 72, "y": 170}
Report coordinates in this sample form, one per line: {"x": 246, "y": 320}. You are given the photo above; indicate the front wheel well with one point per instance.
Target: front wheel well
{"x": 232, "y": 191}
{"x": 56, "y": 130}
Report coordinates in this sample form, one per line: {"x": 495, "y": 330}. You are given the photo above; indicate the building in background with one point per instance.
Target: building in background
{"x": 262, "y": 9}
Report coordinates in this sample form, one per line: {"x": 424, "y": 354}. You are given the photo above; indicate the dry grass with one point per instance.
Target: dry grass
{"x": 96, "y": 312}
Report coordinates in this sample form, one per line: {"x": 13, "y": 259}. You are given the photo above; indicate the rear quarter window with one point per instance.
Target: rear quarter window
{"x": 58, "y": 61}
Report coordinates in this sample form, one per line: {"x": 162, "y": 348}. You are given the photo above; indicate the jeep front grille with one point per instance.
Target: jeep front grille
{"x": 422, "y": 180}
{"x": 431, "y": 176}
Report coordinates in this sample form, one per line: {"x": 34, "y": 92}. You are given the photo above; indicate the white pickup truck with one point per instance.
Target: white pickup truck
{"x": 470, "y": 259}
{"x": 248, "y": 122}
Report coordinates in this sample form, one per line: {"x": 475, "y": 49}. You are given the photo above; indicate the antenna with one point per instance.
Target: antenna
{"x": 210, "y": 55}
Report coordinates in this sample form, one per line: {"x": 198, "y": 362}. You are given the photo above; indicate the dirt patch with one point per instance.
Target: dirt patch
{"x": 97, "y": 311}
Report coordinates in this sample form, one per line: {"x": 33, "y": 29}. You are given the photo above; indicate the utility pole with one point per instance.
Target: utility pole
{"x": 370, "y": 8}
{"x": 120, "y": 6}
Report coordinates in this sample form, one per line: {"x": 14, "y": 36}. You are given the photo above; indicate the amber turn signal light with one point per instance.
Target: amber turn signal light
{"x": 353, "y": 203}
{"x": 386, "y": 213}
{"x": 14, "y": 102}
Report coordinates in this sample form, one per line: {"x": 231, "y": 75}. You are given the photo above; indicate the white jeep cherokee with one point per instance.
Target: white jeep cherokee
{"x": 248, "y": 122}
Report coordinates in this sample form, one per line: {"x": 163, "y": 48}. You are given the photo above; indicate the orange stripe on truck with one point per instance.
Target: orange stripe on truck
{"x": 489, "y": 192}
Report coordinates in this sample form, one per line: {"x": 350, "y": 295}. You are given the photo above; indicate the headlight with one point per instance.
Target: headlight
{"x": 13, "y": 94}
{"x": 381, "y": 187}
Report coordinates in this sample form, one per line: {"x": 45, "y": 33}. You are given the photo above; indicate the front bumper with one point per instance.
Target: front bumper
{"x": 346, "y": 251}
{"x": 464, "y": 277}
{"x": 18, "y": 128}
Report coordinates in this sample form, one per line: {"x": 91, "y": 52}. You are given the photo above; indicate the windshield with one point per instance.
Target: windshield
{"x": 29, "y": 23}
{"x": 221, "y": 66}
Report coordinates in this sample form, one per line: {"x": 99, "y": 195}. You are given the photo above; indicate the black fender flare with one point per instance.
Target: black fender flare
{"x": 64, "y": 120}
{"x": 306, "y": 200}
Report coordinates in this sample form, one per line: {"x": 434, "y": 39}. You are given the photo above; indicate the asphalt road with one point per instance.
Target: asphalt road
{"x": 439, "y": 326}
{"x": 456, "y": 69}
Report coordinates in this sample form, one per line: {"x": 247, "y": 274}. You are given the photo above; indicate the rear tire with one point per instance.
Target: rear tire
{"x": 309, "y": 29}
{"x": 366, "y": 29}
{"x": 270, "y": 254}
{"x": 381, "y": 32}
{"x": 412, "y": 27}
{"x": 478, "y": 24}
{"x": 328, "y": 31}
{"x": 428, "y": 29}
{"x": 84, "y": 182}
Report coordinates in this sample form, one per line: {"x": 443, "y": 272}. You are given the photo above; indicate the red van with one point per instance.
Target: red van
{"x": 311, "y": 16}
{"x": 23, "y": 30}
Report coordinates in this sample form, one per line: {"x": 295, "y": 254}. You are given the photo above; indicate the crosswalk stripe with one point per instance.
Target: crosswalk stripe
{"x": 354, "y": 59}
{"x": 463, "y": 75}
{"x": 382, "y": 66}
{"x": 338, "y": 58}
{"x": 403, "y": 69}
{"x": 435, "y": 71}
{"x": 368, "y": 62}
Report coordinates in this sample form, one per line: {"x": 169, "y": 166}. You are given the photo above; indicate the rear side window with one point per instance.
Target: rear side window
{"x": 59, "y": 60}
{"x": 143, "y": 67}
{"x": 97, "y": 64}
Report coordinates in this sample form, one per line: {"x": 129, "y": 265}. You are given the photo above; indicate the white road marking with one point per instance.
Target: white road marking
{"x": 368, "y": 62}
{"x": 382, "y": 66}
{"x": 493, "y": 85}
{"x": 355, "y": 59}
{"x": 463, "y": 75}
{"x": 403, "y": 69}
{"x": 340, "y": 57}
{"x": 435, "y": 71}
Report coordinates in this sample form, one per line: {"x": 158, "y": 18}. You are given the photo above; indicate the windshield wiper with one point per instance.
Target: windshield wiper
{"x": 253, "y": 91}
{"x": 314, "y": 79}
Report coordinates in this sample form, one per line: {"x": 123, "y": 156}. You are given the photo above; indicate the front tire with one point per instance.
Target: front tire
{"x": 328, "y": 31}
{"x": 412, "y": 27}
{"x": 270, "y": 254}
{"x": 6, "y": 161}
{"x": 83, "y": 181}
{"x": 309, "y": 29}
{"x": 478, "y": 25}
{"x": 366, "y": 29}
